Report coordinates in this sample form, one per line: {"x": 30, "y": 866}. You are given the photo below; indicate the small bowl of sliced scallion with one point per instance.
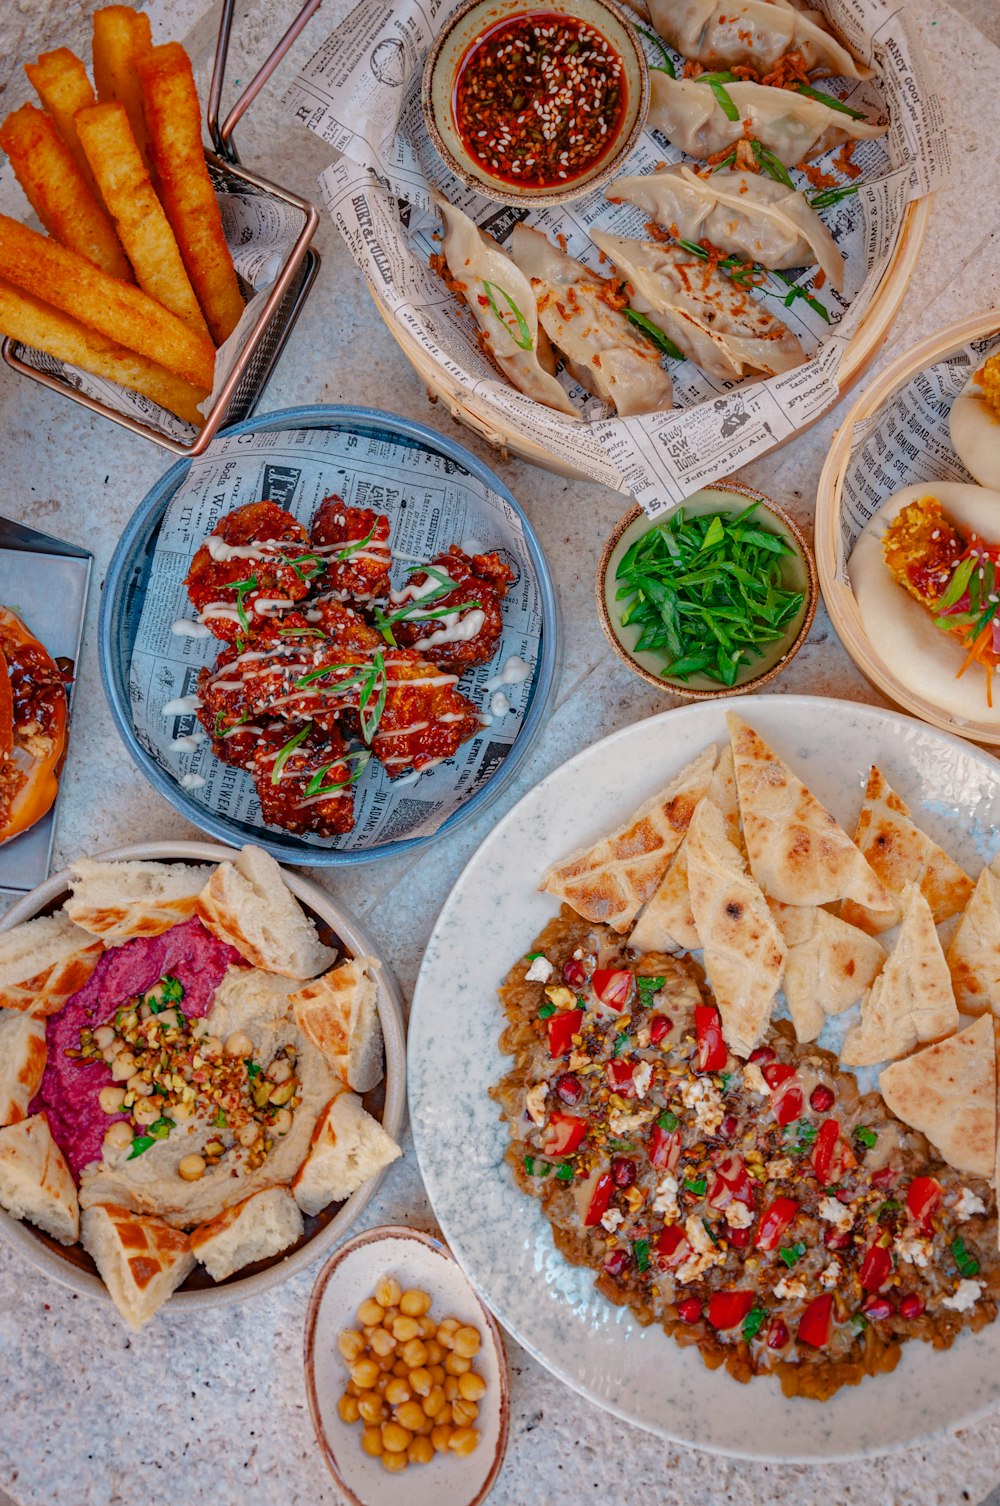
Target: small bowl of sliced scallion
{"x": 715, "y": 599}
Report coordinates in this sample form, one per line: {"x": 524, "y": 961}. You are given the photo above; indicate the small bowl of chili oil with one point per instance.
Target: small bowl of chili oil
{"x": 535, "y": 103}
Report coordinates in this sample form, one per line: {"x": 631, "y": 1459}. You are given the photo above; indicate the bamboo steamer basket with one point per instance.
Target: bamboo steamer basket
{"x": 861, "y": 350}
{"x": 835, "y": 587}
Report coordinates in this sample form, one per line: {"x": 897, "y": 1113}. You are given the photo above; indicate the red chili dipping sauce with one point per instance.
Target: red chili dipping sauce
{"x": 539, "y": 99}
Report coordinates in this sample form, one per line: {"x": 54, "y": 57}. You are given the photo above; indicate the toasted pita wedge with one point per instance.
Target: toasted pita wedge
{"x": 828, "y": 967}
{"x": 901, "y": 854}
{"x": 43, "y": 962}
{"x": 118, "y": 901}
{"x": 797, "y": 852}
{"x": 338, "y": 1014}
{"x": 249, "y": 905}
{"x": 948, "y": 1093}
{"x": 22, "y": 1062}
{"x": 348, "y": 1147}
{"x": 612, "y": 880}
{"x": 743, "y": 950}
{"x": 141, "y": 1260}
{"x": 666, "y": 923}
{"x": 35, "y": 1182}
{"x": 255, "y": 1229}
{"x": 974, "y": 953}
{"x": 911, "y": 1000}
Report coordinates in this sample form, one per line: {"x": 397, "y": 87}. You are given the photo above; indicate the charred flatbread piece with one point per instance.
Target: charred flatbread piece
{"x": 948, "y": 1093}
{"x": 828, "y": 967}
{"x": 43, "y": 962}
{"x": 797, "y": 851}
{"x": 612, "y": 880}
{"x": 912, "y": 999}
{"x": 901, "y": 854}
{"x": 35, "y": 1182}
{"x": 339, "y": 1014}
{"x": 744, "y": 952}
{"x": 22, "y": 1062}
{"x": 142, "y": 1260}
{"x": 667, "y": 922}
{"x": 974, "y": 953}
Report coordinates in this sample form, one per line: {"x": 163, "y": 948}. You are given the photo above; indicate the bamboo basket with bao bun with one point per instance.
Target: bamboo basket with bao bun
{"x": 834, "y": 584}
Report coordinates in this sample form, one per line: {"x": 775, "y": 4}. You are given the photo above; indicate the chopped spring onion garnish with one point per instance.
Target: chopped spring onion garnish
{"x": 545, "y": 1010}
{"x": 285, "y": 752}
{"x": 377, "y": 687}
{"x": 315, "y": 785}
{"x": 831, "y": 102}
{"x": 536, "y": 1168}
{"x": 621, "y": 1044}
{"x": 653, "y": 332}
{"x": 243, "y": 589}
{"x": 723, "y": 98}
{"x": 565, "y": 1172}
{"x": 697, "y": 1186}
{"x": 351, "y": 549}
{"x": 830, "y": 196}
{"x": 794, "y": 292}
{"x": 769, "y": 163}
{"x": 533, "y": 956}
{"x": 519, "y": 333}
{"x": 647, "y": 988}
{"x": 139, "y": 1144}
{"x": 640, "y": 1249}
{"x": 414, "y": 611}
{"x": 667, "y": 66}
{"x": 160, "y": 1128}
{"x": 312, "y": 560}
{"x": 967, "y": 1264}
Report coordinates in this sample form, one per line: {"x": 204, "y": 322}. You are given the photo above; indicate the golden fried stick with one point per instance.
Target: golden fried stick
{"x": 138, "y": 214}
{"x": 174, "y": 120}
{"x": 57, "y": 190}
{"x": 119, "y": 310}
{"x": 34, "y": 323}
{"x": 121, "y": 37}
{"x": 61, "y": 83}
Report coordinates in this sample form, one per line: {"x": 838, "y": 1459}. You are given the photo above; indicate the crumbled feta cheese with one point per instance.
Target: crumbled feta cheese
{"x": 791, "y": 1287}
{"x": 753, "y": 1079}
{"x": 780, "y": 1169}
{"x": 698, "y": 1236}
{"x": 967, "y": 1205}
{"x": 831, "y": 1275}
{"x": 578, "y": 1059}
{"x": 534, "y": 1103}
{"x": 622, "y": 1123}
{"x": 641, "y": 1079}
{"x": 835, "y": 1213}
{"x": 965, "y": 1295}
{"x": 916, "y": 1251}
{"x": 703, "y": 1096}
{"x": 612, "y": 1219}
{"x": 738, "y": 1216}
{"x": 704, "y": 1253}
{"x": 642, "y": 1038}
{"x": 540, "y": 971}
{"x": 665, "y": 1201}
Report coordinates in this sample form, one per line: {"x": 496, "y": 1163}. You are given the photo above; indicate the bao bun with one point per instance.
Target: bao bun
{"x": 921, "y": 656}
{"x": 975, "y": 433}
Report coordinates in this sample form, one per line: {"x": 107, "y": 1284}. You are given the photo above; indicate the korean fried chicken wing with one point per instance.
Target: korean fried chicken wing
{"x": 354, "y": 544}
{"x": 255, "y": 563}
{"x": 425, "y": 719}
{"x": 294, "y": 680}
{"x": 303, "y": 780}
{"x": 454, "y": 639}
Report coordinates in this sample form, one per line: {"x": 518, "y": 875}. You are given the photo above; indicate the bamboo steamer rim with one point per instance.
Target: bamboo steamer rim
{"x": 838, "y": 596}
{"x": 860, "y": 351}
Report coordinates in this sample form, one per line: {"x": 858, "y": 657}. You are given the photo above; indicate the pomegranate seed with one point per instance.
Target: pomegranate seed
{"x": 884, "y": 1178}
{"x": 569, "y": 1088}
{"x": 911, "y": 1306}
{"x": 877, "y": 1308}
{"x": 844, "y": 1194}
{"x": 659, "y": 1027}
{"x": 763, "y": 1054}
{"x": 622, "y": 1171}
{"x": 740, "y": 1238}
{"x": 615, "y": 1262}
{"x": 837, "y": 1239}
{"x": 574, "y": 972}
{"x": 689, "y": 1311}
{"x": 821, "y": 1098}
{"x": 729, "y": 1126}
{"x": 777, "y": 1335}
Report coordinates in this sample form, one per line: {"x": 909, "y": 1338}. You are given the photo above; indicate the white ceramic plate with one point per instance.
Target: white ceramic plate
{"x": 73, "y": 1267}
{"x": 415, "y": 1260}
{"x": 501, "y": 1237}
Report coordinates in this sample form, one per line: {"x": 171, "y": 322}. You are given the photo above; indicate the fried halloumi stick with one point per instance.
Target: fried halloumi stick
{"x": 174, "y": 120}
{"x": 61, "y": 83}
{"x": 121, "y": 37}
{"x": 57, "y": 190}
{"x": 36, "y": 324}
{"x": 118, "y": 310}
{"x": 144, "y": 229}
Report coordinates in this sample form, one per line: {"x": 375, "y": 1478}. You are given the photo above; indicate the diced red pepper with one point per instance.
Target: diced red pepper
{"x": 599, "y": 1200}
{"x": 876, "y": 1267}
{"x": 672, "y": 1247}
{"x": 775, "y": 1073}
{"x": 620, "y": 1078}
{"x": 732, "y": 1183}
{"x": 613, "y": 986}
{"x": 824, "y": 1148}
{"x": 712, "y": 1051}
{"x": 563, "y": 1134}
{"x": 726, "y": 1309}
{"x": 664, "y": 1147}
{"x": 562, "y": 1028}
{"x": 774, "y": 1221}
{"x": 922, "y": 1197}
{"x": 814, "y": 1324}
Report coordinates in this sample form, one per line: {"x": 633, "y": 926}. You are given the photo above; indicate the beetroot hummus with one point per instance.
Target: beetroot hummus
{"x": 70, "y": 1086}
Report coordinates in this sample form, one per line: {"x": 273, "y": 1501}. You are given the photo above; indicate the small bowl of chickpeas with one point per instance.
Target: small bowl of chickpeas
{"x": 406, "y": 1374}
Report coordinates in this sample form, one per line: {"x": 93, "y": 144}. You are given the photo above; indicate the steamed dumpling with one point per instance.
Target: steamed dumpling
{"x": 582, "y": 316}
{"x": 795, "y": 127}
{"x": 503, "y": 306}
{"x": 747, "y": 215}
{"x": 754, "y": 33}
{"x": 715, "y": 323}
{"x": 975, "y": 424}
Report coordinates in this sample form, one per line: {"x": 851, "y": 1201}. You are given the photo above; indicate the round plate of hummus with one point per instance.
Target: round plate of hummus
{"x": 201, "y": 1075}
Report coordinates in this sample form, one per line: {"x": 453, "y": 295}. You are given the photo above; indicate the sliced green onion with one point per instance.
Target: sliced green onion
{"x": 533, "y": 956}
{"x": 830, "y": 196}
{"x": 140, "y": 1144}
{"x": 315, "y": 785}
{"x": 769, "y": 162}
{"x": 286, "y": 751}
{"x": 725, "y": 101}
{"x": 697, "y": 1186}
{"x": 160, "y": 1128}
{"x": 242, "y": 589}
{"x": 564, "y": 1173}
{"x": 352, "y": 549}
{"x": 967, "y": 1264}
{"x": 667, "y": 66}
{"x": 372, "y": 715}
{"x": 545, "y": 1010}
{"x": 653, "y": 332}
{"x": 830, "y": 101}
{"x": 522, "y": 339}
{"x": 253, "y": 1068}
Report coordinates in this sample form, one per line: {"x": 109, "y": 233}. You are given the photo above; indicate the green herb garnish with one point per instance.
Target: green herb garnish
{"x": 860, "y": 1321}
{"x": 140, "y": 1144}
{"x": 243, "y": 589}
{"x": 219, "y": 1119}
{"x": 287, "y": 749}
{"x": 316, "y": 786}
{"x": 544, "y": 1010}
{"x": 253, "y": 1068}
{"x": 710, "y": 1231}
{"x": 668, "y": 1121}
{"x": 830, "y": 196}
{"x": 754, "y": 1322}
{"x": 769, "y": 164}
{"x": 726, "y": 1078}
{"x": 640, "y": 1249}
{"x": 667, "y": 66}
{"x": 351, "y": 549}
{"x": 565, "y": 1172}
{"x": 647, "y": 988}
{"x": 889, "y": 1206}
{"x": 160, "y": 1128}
{"x": 791, "y": 1254}
{"x": 652, "y": 331}
{"x": 621, "y": 1044}
{"x": 967, "y": 1264}
{"x": 520, "y": 333}
{"x": 801, "y": 1135}
{"x": 722, "y": 97}
{"x": 697, "y": 1186}
{"x": 794, "y": 292}
{"x": 533, "y": 956}
{"x": 865, "y": 1135}
{"x": 173, "y": 988}
{"x": 830, "y": 101}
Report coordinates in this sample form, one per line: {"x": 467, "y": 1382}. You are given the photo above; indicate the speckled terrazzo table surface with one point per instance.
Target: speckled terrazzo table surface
{"x": 92, "y": 1416}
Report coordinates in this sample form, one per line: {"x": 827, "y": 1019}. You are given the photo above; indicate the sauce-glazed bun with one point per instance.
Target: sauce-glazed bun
{"x": 975, "y": 432}
{"x": 921, "y": 656}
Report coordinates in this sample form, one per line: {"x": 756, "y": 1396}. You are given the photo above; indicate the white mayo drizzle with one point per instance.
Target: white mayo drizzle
{"x": 454, "y": 629}
{"x": 514, "y": 672}
{"x": 188, "y": 744}
{"x": 499, "y": 705}
{"x": 191, "y": 782}
{"x": 185, "y": 628}
{"x": 222, "y": 553}
{"x": 417, "y": 592}
{"x": 184, "y": 705}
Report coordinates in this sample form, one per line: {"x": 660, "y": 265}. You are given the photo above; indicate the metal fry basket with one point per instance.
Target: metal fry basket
{"x": 274, "y": 321}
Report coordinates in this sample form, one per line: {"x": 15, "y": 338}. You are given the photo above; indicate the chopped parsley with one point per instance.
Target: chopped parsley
{"x": 620, "y": 1145}
{"x": 545, "y": 1010}
{"x": 791, "y": 1254}
{"x": 668, "y": 1121}
{"x": 564, "y": 1173}
{"x": 533, "y": 956}
{"x": 640, "y": 1249}
{"x": 860, "y": 1321}
{"x": 799, "y": 1137}
{"x": 754, "y": 1322}
{"x": 621, "y": 1044}
{"x": 253, "y": 1068}
{"x": 697, "y": 1186}
{"x": 889, "y": 1206}
{"x": 967, "y": 1264}
{"x": 647, "y": 988}
{"x": 865, "y": 1135}
{"x": 219, "y": 1119}
{"x": 726, "y": 1078}
{"x": 710, "y": 1231}
{"x": 536, "y": 1168}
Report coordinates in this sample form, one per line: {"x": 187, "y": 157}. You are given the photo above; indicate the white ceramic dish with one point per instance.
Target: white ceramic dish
{"x": 492, "y": 915}
{"x": 73, "y": 1267}
{"x": 415, "y": 1260}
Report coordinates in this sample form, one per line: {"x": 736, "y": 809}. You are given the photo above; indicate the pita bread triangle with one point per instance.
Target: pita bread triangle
{"x": 610, "y": 881}
{"x": 743, "y": 951}
{"x": 911, "y": 1000}
{"x": 667, "y": 923}
{"x": 797, "y": 851}
{"x": 901, "y": 854}
{"x": 829, "y": 964}
{"x": 948, "y": 1093}
{"x": 974, "y": 953}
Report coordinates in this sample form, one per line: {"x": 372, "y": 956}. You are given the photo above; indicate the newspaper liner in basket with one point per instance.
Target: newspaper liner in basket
{"x": 361, "y": 94}
{"x": 894, "y": 436}
{"x": 432, "y": 501}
